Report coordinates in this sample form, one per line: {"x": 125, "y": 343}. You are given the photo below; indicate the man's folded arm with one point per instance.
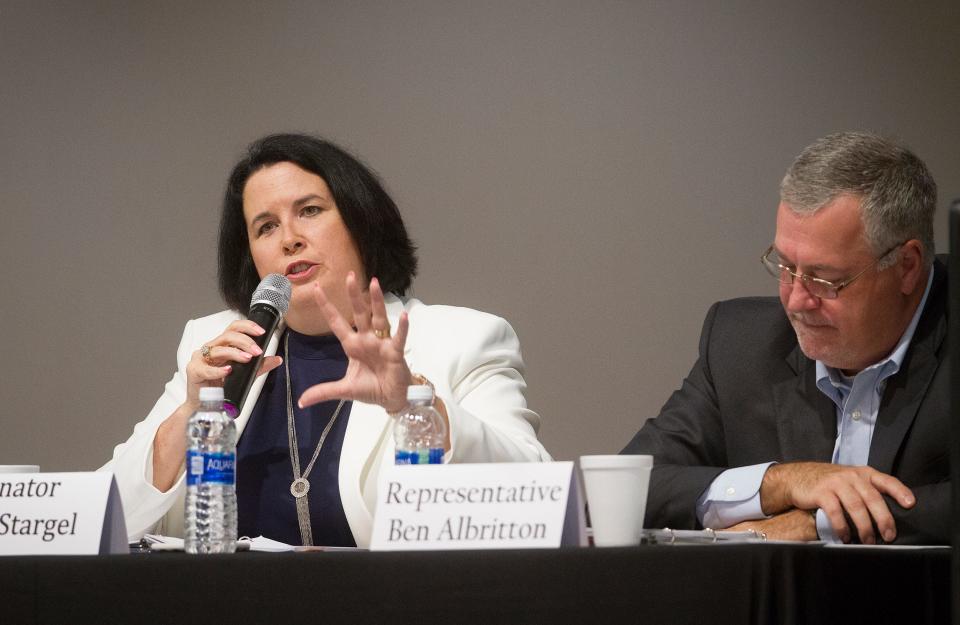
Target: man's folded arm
{"x": 733, "y": 497}
{"x": 673, "y": 494}
{"x": 686, "y": 441}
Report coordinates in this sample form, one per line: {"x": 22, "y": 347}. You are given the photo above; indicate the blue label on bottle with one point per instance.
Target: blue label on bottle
{"x": 419, "y": 456}
{"x": 210, "y": 468}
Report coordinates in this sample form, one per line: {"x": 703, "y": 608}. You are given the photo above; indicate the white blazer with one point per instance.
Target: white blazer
{"x": 472, "y": 358}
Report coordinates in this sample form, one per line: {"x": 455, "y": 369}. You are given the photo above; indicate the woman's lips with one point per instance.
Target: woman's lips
{"x": 301, "y": 274}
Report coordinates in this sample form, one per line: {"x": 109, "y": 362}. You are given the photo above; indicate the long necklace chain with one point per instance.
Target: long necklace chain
{"x": 300, "y": 485}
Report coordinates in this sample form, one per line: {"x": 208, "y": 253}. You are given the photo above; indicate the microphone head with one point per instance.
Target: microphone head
{"x": 274, "y": 290}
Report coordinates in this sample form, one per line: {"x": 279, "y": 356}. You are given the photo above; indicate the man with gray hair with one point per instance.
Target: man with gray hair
{"x": 830, "y": 421}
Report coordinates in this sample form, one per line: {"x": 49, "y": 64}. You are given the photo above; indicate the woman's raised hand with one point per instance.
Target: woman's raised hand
{"x": 376, "y": 372}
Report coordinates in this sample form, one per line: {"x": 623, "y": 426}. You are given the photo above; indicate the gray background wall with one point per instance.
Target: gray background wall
{"x": 596, "y": 172}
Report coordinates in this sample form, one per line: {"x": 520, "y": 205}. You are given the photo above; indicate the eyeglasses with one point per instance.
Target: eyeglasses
{"x": 824, "y": 289}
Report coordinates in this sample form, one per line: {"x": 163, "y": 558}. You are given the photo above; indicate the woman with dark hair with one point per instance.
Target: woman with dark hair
{"x": 351, "y": 344}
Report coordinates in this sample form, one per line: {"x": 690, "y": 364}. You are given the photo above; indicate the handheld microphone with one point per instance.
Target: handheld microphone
{"x": 267, "y": 306}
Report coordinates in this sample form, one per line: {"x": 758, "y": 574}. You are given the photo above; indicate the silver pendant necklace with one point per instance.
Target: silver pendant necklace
{"x": 301, "y": 485}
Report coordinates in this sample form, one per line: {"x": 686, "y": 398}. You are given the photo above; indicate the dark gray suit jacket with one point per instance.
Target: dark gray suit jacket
{"x": 752, "y": 397}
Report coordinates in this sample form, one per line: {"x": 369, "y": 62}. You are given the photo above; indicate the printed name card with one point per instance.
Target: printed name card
{"x": 510, "y": 505}
{"x": 60, "y": 513}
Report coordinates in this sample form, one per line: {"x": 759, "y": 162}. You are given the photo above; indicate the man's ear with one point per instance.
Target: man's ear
{"x": 910, "y": 266}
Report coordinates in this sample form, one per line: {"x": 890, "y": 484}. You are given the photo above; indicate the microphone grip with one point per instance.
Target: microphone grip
{"x": 237, "y": 385}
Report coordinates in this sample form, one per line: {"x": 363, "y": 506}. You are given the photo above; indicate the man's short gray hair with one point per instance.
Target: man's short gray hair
{"x": 899, "y": 196}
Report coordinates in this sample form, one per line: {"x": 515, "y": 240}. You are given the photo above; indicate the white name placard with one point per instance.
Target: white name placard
{"x": 510, "y": 505}
{"x": 60, "y": 513}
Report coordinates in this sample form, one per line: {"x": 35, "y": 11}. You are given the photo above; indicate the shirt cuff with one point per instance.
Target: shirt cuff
{"x": 733, "y": 497}
{"x": 824, "y": 529}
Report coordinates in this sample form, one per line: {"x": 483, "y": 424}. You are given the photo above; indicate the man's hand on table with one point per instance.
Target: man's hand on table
{"x": 841, "y": 492}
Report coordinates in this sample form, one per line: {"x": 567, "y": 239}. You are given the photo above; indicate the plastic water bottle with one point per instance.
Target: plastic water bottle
{"x": 211, "y": 505}
{"x": 419, "y": 432}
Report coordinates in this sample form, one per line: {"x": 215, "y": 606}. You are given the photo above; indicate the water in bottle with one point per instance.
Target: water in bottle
{"x": 419, "y": 432}
{"x": 211, "y": 504}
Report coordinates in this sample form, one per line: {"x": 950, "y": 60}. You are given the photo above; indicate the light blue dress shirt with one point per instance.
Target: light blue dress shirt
{"x": 734, "y": 495}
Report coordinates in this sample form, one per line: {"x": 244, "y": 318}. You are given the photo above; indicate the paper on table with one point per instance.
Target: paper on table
{"x": 886, "y": 547}
{"x": 266, "y": 544}
{"x": 157, "y": 542}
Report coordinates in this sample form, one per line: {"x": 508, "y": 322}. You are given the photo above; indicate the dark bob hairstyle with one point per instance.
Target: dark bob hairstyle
{"x": 370, "y": 215}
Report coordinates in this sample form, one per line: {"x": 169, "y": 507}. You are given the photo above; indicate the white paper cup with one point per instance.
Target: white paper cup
{"x": 617, "y": 495}
{"x": 19, "y": 468}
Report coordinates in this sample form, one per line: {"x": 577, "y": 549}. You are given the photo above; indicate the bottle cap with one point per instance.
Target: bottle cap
{"x": 211, "y": 393}
{"x": 419, "y": 393}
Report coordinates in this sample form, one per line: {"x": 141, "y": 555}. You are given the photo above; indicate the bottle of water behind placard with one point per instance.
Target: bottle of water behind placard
{"x": 211, "y": 504}
{"x": 419, "y": 431}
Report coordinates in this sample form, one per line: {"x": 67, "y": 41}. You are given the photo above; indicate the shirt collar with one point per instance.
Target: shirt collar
{"x": 830, "y": 378}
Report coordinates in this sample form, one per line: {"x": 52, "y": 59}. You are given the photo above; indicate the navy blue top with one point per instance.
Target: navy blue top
{"x": 264, "y": 470}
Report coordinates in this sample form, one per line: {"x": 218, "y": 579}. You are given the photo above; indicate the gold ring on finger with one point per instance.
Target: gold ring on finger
{"x": 381, "y": 334}
{"x": 205, "y": 354}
